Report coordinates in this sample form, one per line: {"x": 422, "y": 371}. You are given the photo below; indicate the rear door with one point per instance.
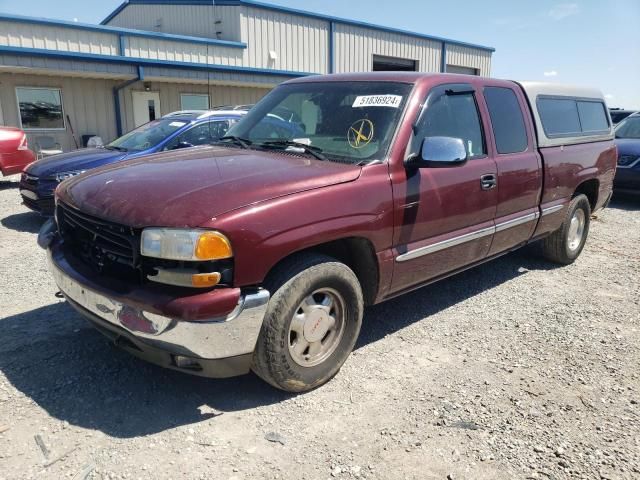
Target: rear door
{"x": 512, "y": 146}
{"x": 445, "y": 216}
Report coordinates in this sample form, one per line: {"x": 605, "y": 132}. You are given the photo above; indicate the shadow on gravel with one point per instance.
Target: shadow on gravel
{"x": 7, "y": 184}
{"x": 54, "y": 357}
{"x": 625, "y": 202}
{"x": 388, "y": 317}
{"x": 29, "y": 222}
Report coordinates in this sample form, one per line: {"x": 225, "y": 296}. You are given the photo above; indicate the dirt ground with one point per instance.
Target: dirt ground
{"x": 515, "y": 369}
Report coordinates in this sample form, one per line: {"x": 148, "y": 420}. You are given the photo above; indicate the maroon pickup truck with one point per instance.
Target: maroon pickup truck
{"x": 333, "y": 193}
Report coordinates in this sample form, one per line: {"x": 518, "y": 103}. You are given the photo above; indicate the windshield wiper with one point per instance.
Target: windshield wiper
{"x": 243, "y": 142}
{"x": 112, "y": 147}
{"x": 313, "y": 151}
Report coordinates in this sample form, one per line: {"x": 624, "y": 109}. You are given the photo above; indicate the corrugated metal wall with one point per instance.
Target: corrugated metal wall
{"x": 470, "y": 57}
{"x": 14, "y": 34}
{"x": 300, "y": 43}
{"x": 355, "y": 47}
{"x": 194, "y": 20}
{"x": 88, "y": 102}
{"x": 153, "y": 48}
{"x": 170, "y": 97}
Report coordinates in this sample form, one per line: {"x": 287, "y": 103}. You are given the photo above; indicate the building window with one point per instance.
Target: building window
{"x": 392, "y": 64}
{"x": 194, "y": 101}
{"x": 462, "y": 70}
{"x": 40, "y": 108}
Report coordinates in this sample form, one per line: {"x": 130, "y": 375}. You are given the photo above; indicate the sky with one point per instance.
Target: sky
{"x": 584, "y": 42}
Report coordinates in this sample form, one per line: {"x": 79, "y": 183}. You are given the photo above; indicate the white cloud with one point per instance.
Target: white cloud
{"x": 564, "y": 10}
{"x": 550, "y": 73}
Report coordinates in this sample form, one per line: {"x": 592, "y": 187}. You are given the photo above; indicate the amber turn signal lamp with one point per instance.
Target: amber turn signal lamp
{"x": 213, "y": 246}
{"x": 203, "y": 280}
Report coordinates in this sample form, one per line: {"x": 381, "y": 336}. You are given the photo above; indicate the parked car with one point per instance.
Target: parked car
{"x": 14, "y": 151}
{"x": 261, "y": 252}
{"x": 627, "y": 178}
{"x": 619, "y": 114}
{"x": 173, "y": 131}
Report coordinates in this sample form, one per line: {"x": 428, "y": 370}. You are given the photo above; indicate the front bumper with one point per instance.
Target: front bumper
{"x": 38, "y": 194}
{"x": 215, "y": 347}
{"x": 627, "y": 180}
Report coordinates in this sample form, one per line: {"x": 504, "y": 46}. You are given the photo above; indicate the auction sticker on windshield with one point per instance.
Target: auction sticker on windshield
{"x": 377, "y": 101}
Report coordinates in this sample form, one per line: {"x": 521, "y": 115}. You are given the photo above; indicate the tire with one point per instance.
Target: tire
{"x": 562, "y": 246}
{"x": 307, "y": 291}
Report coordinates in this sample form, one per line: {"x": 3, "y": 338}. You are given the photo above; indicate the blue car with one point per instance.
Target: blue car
{"x": 177, "y": 130}
{"x": 627, "y": 178}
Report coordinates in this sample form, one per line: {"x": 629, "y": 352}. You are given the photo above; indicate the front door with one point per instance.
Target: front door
{"x": 445, "y": 216}
{"x": 146, "y": 107}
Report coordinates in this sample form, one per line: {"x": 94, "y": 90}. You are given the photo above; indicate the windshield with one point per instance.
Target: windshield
{"x": 344, "y": 121}
{"x": 148, "y": 135}
{"x": 629, "y": 128}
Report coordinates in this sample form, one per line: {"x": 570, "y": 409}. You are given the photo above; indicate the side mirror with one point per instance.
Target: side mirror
{"x": 439, "y": 152}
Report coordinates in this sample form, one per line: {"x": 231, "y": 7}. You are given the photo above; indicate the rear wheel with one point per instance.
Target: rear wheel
{"x": 311, "y": 325}
{"x": 565, "y": 244}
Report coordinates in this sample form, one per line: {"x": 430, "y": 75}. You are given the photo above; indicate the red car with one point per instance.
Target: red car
{"x": 14, "y": 151}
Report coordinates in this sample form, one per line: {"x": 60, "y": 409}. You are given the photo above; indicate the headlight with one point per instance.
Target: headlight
{"x": 187, "y": 245}
{"x": 64, "y": 175}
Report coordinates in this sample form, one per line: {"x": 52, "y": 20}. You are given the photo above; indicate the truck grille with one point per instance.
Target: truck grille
{"x": 107, "y": 247}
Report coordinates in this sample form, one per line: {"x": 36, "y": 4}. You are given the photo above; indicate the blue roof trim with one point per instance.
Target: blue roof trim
{"x": 91, "y": 57}
{"x": 303, "y": 13}
{"x": 122, "y": 31}
{"x": 122, "y": 6}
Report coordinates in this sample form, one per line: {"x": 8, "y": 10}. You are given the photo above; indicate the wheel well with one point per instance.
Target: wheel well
{"x": 355, "y": 252}
{"x": 589, "y": 188}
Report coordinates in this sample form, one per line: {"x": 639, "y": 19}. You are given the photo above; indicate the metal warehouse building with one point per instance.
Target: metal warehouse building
{"x": 151, "y": 57}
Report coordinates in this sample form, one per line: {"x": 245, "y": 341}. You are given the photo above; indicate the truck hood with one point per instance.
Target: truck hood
{"x": 82, "y": 159}
{"x": 628, "y": 146}
{"x": 190, "y": 188}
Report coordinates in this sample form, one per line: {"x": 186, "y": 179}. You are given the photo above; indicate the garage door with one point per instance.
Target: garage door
{"x": 462, "y": 70}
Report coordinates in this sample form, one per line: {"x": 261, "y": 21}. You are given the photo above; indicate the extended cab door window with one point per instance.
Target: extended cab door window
{"x": 507, "y": 121}
{"x": 451, "y": 111}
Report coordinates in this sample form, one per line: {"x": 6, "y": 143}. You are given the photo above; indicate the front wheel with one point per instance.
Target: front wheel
{"x": 565, "y": 244}
{"x": 311, "y": 325}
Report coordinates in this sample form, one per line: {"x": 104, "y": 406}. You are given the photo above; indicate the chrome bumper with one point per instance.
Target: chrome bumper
{"x": 217, "y": 338}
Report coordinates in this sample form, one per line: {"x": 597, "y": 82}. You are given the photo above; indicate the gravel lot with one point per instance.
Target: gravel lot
{"x": 516, "y": 369}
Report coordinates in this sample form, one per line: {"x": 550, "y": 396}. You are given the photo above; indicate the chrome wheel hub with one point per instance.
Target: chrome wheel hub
{"x": 316, "y": 327}
{"x": 576, "y": 229}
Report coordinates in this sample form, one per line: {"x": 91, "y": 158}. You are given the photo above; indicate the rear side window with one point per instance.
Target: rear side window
{"x": 565, "y": 117}
{"x": 506, "y": 120}
{"x": 593, "y": 117}
{"x": 559, "y": 116}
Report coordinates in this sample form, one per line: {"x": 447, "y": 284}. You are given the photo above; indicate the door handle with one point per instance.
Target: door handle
{"x": 488, "y": 181}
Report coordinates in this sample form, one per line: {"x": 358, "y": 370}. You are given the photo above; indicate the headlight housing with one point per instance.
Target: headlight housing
{"x": 64, "y": 175}
{"x": 184, "y": 244}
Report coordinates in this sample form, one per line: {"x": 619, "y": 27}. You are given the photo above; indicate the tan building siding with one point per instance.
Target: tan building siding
{"x": 14, "y": 34}
{"x": 469, "y": 57}
{"x": 88, "y": 102}
{"x": 140, "y": 47}
{"x": 170, "y": 97}
{"x": 355, "y": 47}
{"x": 300, "y": 43}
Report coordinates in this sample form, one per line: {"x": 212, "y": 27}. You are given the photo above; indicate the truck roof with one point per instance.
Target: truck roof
{"x": 572, "y": 133}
